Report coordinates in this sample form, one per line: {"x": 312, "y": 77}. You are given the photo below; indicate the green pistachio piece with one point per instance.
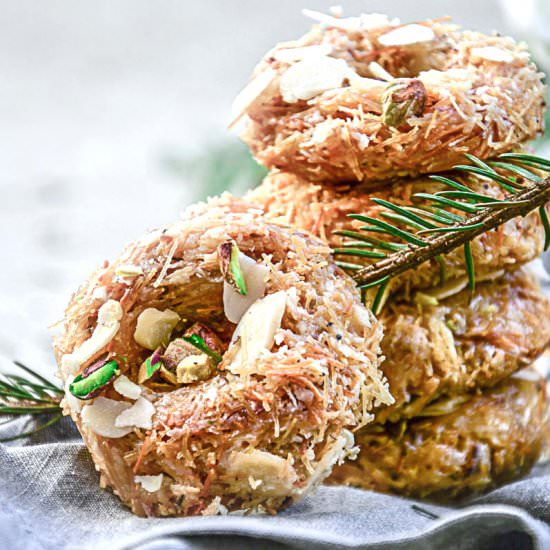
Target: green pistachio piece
{"x": 200, "y": 344}
{"x": 94, "y": 379}
{"x": 402, "y": 99}
{"x": 151, "y": 365}
{"x": 228, "y": 253}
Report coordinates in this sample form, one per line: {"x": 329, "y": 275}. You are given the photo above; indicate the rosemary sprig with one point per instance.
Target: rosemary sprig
{"x": 31, "y": 395}
{"x": 431, "y": 227}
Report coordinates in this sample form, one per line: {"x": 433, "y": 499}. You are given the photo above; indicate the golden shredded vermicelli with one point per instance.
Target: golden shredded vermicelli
{"x": 257, "y": 438}
{"x": 315, "y": 106}
{"x": 459, "y": 447}
{"x": 322, "y": 210}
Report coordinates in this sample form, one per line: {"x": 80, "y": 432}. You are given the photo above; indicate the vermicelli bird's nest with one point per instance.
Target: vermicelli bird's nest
{"x": 465, "y": 342}
{"x": 258, "y": 429}
{"x": 368, "y": 99}
{"x": 456, "y": 449}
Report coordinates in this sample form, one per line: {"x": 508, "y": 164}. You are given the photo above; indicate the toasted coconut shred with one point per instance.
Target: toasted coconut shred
{"x": 266, "y": 419}
{"x": 322, "y": 210}
{"x": 329, "y": 109}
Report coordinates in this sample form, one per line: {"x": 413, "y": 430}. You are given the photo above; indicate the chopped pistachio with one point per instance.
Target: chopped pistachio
{"x": 168, "y": 375}
{"x": 176, "y": 350}
{"x": 151, "y": 365}
{"x": 182, "y": 361}
{"x": 200, "y": 344}
{"x": 451, "y": 325}
{"x": 228, "y": 253}
{"x": 94, "y": 379}
{"x": 402, "y": 99}
{"x": 210, "y": 338}
{"x": 194, "y": 368}
{"x": 196, "y": 337}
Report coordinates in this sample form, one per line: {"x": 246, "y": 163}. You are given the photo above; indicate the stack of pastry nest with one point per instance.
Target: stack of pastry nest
{"x": 365, "y": 107}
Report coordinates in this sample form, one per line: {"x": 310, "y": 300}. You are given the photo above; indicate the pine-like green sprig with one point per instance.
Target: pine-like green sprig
{"x": 31, "y": 395}
{"x": 430, "y": 226}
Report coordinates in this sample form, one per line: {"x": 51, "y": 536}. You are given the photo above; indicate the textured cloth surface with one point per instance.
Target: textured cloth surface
{"x": 50, "y": 499}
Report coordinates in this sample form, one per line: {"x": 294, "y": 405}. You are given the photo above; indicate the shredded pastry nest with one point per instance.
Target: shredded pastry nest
{"x": 315, "y": 106}
{"x": 322, "y": 209}
{"x": 486, "y": 440}
{"x": 236, "y": 442}
{"x": 462, "y": 343}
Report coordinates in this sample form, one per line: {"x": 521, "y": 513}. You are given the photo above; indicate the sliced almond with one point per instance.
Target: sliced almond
{"x": 255, "y": 276}
{"x": 74, "y": 404}
{"x": 126, "y": 387}
{"x": 530, "y": 374}
{"x": 444, "y": 406}
{"x": 69, "y": 365}
{"x": 361, "y": 318}
{"x": 339, "y": 449}
{"x": 108, "y": 317}
{"x": 291, "y": 55}
{"x": 379, "y": 72}
{"x": 370, "y": 85}
{"x": 366, "y": 21}
{"x": 100, "y": 417}
{"x": 450, "y": 288}
{"x": 255, "y": 332}
{"x": 109, "y": 313}
{"x": 407, "y": 35}
{"x": 257, "y": 90}
{"x": 139, "y": 415}
{"x": 492, "y": 53}
{"x": 313, "y": 76}
{"x": 454, "y": 286}
{"x": 275, "y": 473}
{"x": 150, "y": 483}
{"x": 100, "y": 293}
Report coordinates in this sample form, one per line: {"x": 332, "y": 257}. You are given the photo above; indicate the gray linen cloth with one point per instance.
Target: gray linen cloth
{"x": 50, "y": 498}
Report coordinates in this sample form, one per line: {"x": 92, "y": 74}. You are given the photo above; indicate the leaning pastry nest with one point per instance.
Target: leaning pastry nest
{"x": 481, "y": 94}
{"x": 322, "y": 210}
{"x": 465, "y": 342}
{"x": 316, "y": 106}
{"x": 255, "y": 435}
{"x": 459, "y": 447}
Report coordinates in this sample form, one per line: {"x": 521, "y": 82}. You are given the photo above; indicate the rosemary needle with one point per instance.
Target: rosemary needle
{"x": 424, "y": 240}
{"x": 31, "y": 395}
